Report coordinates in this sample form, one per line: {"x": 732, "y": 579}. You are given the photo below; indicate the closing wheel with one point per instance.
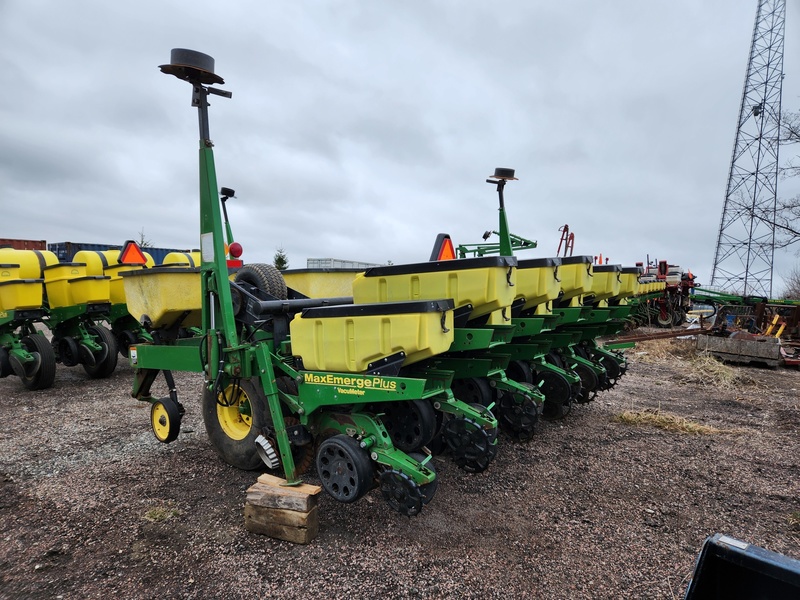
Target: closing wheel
{"x": 265, "y": 277}
{"x": 401, "y": 493}
{"x": 411, "y": 424}
{"x": 557, "y": 395}
{"x": 105, "y": 361}
{"x": 67, "y": 351}
{"x": 613, "y": 371}
{"x": 473, "y": 390}
{"x": 427, "y": 490}
{"x": 165, "y": 419}
{"x": 345, "y": 468}
{"x": 234, "y": 417}
{"x": 470, "y": 444}
{"x": 589, "y": 383}
{"x": 518, "y": 414}
{"x": 44, "y": 374}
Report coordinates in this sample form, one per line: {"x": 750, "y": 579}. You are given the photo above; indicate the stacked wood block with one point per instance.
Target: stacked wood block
{"x": 284, "y": 512}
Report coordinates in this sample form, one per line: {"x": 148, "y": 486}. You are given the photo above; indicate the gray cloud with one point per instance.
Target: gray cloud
{"x": 360, "y": 130}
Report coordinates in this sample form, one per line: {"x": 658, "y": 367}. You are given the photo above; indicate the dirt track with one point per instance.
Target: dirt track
{"x": 92, "y": 506}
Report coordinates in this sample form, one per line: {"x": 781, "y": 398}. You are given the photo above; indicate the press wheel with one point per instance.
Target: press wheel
{"x": 401, "y": 493}
{"x": 345, "y": 469}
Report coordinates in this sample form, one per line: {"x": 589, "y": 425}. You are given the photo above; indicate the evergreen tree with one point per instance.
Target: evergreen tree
{"x": 280, "y": 260}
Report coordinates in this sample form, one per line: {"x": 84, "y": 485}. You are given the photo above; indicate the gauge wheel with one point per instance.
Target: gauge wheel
{"x": 107, "y": 362}
{"x": 43, "y": 376}
{"x": 473, "y": 390}
{"x": 165, "y": 420}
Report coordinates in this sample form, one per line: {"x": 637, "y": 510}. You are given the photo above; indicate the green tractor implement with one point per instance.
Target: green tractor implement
{"x": 284, "y": 375}
{"x": 73, "y": 305}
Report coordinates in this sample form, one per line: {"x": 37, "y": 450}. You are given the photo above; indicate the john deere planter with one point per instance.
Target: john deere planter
{"x": 65, "y": 300}
{"x": 292, "y": 380}
{"x": 562, "y": 305}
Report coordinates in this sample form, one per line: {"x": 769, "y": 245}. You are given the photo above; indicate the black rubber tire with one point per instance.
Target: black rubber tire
{"x": 473, "y": 390}
{"x": 520, "y": 371}
{"x": 239, "y": 452}
{"x": 411, "y": 423}
{"x": 265, "y": 277}
{"x": 5, "y": 364}
{"x": 589, "y": 383}
{"x": 165, "y": 420}
{"x": 557, "y": 395}
{"x": 126, "y": 339}
{"x": 46, "y": 374}
{"x": 105, "y": 367}
{"x": 67, "y": 351}
{"x": 345, "y": 468}
{"x": 554, "y": 358}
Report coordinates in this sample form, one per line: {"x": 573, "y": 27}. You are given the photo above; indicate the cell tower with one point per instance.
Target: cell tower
{"x": 746, "y": 241}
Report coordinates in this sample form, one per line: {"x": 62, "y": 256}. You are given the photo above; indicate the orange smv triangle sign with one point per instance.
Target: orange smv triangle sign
{"x": 132, "y": 254}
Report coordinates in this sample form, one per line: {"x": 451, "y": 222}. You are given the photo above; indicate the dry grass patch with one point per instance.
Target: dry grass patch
{"x": 668, "y": 422}
{"x": 656, "y": 351}
{"x": 705, "y": 370}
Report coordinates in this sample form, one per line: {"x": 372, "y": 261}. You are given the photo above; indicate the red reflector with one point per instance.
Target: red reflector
{"x": 235, "y": 263}
{"x": 131, "y": 254}
{"x": 446, "y": 251}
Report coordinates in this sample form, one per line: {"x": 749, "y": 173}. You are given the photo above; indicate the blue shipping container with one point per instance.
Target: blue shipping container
{"x": 65, "y": 251}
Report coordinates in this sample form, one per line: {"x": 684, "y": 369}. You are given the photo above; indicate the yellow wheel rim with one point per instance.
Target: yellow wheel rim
{"x": 234, "y": 413}
{"x": 159, "y": 419}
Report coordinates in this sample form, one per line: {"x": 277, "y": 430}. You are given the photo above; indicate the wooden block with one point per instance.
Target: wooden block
{"x": 306, "y": 488}
{"x": 286, "y": 498}
{"x": 288, "y": 525}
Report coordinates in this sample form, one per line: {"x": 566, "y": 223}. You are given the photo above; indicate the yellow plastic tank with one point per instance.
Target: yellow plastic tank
{"x": 67, "y": 284}
{"x": 348, "y": 338}
{"x": 629, "y": 285}
{"x": 485, "y": 283}
{"x": 538, "y": 281}
{"x": 164, "y": 296}
{"x": 20, "y": 294}
{"x": 31, "y": 262}
{"x": 106, "y": 262}
{"x": 322, "y": 283}
{"x": 606, "y": 281}
{"x": 186, "y": 259}
{"x": 575, "y": 273}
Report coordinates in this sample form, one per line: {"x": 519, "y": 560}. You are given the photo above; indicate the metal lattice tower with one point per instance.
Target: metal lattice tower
{"x": 746, "y": 242}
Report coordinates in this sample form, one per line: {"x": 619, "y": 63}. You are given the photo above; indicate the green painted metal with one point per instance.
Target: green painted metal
{"x": 227, "y": 350}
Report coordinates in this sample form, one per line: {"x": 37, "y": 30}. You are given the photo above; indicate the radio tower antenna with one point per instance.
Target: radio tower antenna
{"x": 746, "y": 242}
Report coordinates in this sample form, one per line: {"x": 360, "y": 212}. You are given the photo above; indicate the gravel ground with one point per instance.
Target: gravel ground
{"x": 92, "y": 506}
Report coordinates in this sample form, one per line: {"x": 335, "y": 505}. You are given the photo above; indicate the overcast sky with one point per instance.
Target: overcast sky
{"x": 359, "y": 130}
